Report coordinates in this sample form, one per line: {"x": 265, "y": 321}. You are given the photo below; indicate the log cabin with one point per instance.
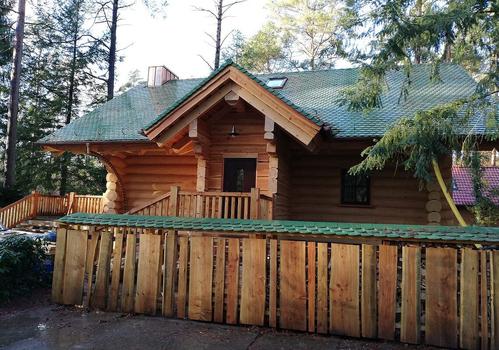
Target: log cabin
{"x": 283, "y": 138}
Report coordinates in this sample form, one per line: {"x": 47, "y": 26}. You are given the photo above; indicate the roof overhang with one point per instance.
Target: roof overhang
{"x": 231, "y": 80}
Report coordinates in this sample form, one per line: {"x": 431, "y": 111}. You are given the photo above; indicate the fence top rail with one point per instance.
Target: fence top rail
{"x": 441, "y": 234}
{"x": 215, "y": 194}
{"x": 19, "y": 201}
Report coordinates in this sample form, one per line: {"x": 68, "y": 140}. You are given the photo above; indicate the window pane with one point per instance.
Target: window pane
{"x": 355, "y": 189}
{"x": 276, "y": 83}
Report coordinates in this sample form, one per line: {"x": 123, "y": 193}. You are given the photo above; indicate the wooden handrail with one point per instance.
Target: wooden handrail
{"x": 148, "y": 204}
{"x": 212, "y": 204}
{"x": 36, "y": 204}
{"x": 11, "y": 205}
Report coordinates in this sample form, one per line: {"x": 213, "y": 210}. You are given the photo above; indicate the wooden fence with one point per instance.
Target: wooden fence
{"x": 226, "y": 205}
{"x": 409, "y": 291}
{"x": 37, "y": 204}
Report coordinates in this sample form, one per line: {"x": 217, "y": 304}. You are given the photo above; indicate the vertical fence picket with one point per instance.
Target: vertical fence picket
{"x": 411, "y": 303}
{"x": 387, "y": 299}
{"x": 441, "y": 297}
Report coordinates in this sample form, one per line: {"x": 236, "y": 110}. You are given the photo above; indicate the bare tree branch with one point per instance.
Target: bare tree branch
{"x": 205, "y": 61}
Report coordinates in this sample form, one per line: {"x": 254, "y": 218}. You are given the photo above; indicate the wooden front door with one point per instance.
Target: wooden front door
{"x": 239, "y": 174}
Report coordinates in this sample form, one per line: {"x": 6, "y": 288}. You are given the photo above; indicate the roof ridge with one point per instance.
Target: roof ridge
{"x": 243, "y": 70}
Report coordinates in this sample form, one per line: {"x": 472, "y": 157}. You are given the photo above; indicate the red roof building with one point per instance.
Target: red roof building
{"x": 462, "y": 184}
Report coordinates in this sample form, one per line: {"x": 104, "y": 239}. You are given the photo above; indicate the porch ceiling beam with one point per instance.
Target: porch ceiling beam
{"x": 187, "y": 117}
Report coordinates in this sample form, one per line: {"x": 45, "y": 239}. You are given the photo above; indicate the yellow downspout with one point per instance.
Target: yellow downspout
{"x": 443, "y": 187}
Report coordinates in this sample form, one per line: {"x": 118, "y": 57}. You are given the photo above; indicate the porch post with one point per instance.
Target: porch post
{"x": 255, "y": 204}
{"x": 173, "y": 207}
{"x": 71, "y": 199}
{"x": 34, "y": 204}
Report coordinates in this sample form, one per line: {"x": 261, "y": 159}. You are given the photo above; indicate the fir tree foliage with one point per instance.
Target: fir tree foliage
{"x": 405, "y": 32}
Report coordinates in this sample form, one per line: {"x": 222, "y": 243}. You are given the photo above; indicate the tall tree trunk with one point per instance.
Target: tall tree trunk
{"x": 112, "y": 51}
{"x": 69, "y": 113}
{"x": 218, "y": 42}
{"x": 15, "y": 81}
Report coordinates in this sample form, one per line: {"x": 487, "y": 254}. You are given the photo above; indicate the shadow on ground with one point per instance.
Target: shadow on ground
{"x": 47, "y": 326}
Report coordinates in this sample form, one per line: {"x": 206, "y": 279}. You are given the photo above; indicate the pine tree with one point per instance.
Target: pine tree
{"x": 13, "y": 107}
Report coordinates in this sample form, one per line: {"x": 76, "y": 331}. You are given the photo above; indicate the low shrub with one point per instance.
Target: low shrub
{"x": 22, "y": 266}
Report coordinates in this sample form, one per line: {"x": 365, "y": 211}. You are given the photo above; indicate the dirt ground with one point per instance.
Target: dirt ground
{"x": 35, "y": 323}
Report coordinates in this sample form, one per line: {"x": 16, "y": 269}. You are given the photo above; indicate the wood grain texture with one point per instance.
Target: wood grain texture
{"x": 292, "y": 286}
{"x": 494, "y": 298}
{"x": 170, "y": 273}
{"x": 148, "y": 277}
{"x": 128, "y": 287}
{"x": 92, "y": 249}
{"x": 273, "y": 284}
{"x": 183, "y": 259}
{"x": 484, "y": 303}
{"x": 322, "y": 287}
{"x": 232, "y": 280}
{"x": 253, "y": 281}
{"x": 344, "y": 290}
{"x": 101, "y": 292}
{"x": 411, "y": 296}
{"x": 369, "y": 287}
{"x": 112, "y": 303}
{"x": 469, "y": 337}
{"x": 387, "y": 287}
{"x": 441, "y": 297}
{"x": 200, "y": 279}
{"x": 311, "y": 292}
{"x": 74, "y": 269}
{"x": 218, "y": 314}
{"x": 59, "y": 265}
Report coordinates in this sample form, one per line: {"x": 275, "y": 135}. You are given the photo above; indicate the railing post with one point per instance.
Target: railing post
{"x": 173, "y": 207}
{"x": 71, "y": 198}
{"x": 255, "y": 204}
{"x": 34, "y": 204}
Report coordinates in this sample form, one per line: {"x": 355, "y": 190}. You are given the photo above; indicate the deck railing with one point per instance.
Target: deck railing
{"x": 414, "y": 284}
{"x": 18, "y": 211}
{"x": 225, "y": 205}
{"x": 37, "y": 204}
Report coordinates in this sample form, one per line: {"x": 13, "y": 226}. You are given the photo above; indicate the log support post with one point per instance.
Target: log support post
{"x": 433, "y": 204}
{"x": 110, "y": 197}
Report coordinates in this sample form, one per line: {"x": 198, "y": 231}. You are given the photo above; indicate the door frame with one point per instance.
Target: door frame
{"x": 237, "y": 156}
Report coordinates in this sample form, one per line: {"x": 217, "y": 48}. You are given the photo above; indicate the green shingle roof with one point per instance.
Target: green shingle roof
{"x": 444, "y": 234}
{"x": 313, "y": 93}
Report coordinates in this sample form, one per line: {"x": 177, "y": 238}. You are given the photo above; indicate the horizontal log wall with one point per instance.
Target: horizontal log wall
{"x": 149, "y": 176}
{"x": 249, "y": 143}
{"x": 413, "y": 293}
{"x": 316, "y": 193}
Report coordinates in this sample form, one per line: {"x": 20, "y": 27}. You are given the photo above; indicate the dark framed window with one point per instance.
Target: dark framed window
{"x": 355, "y": 189}
{"x": 239, "y": 174}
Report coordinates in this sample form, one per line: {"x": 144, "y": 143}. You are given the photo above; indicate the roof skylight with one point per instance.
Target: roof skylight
{"x": 276, "y": 83}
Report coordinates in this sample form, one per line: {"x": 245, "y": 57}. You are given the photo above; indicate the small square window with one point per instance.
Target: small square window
{"x": 277, "y": 83}
{"x": 355, "y": 189}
